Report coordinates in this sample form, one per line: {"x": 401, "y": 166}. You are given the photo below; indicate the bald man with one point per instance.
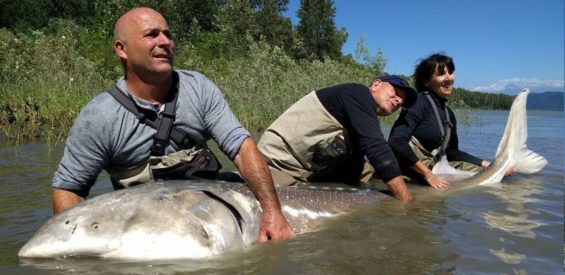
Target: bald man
{"x": 107, "y": 135}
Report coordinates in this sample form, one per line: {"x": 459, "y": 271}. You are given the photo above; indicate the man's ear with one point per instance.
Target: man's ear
{"x": 120, "y": 49}
{"x": 376, "y": 82}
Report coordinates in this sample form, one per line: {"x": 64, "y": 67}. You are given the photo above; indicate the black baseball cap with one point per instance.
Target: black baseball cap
{"x": 400, "y": 83}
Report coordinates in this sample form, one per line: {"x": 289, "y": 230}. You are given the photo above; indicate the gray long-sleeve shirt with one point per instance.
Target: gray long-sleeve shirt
{"x": 106, "y": 136}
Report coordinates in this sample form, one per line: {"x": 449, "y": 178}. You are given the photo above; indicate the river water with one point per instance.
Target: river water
{"x": 516, "y": 228}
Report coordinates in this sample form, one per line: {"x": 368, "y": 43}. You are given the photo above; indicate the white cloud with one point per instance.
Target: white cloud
{"x": 514, "y": 85}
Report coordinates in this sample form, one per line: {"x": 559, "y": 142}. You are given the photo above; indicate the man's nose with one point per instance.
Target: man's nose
{"x": 164, "y": 40}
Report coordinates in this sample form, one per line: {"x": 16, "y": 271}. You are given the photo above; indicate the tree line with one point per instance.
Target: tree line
{"x": 462, "y": 98}
{"x": 219, "y": 26}
{"x": 55, "y": 55}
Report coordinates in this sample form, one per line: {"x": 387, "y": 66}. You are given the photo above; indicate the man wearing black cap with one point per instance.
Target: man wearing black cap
{"x": 331, "y": 133}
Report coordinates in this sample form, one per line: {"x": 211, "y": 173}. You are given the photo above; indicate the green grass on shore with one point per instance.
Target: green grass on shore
{"x": 47, "y": 78}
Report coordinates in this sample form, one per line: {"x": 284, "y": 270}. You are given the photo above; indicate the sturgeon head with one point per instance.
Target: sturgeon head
{"x": 151, "y": 221}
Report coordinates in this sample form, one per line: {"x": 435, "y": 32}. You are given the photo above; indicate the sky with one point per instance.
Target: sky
{"x": 498, "y": 46}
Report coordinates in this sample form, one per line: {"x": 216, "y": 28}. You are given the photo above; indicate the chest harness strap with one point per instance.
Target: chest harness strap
{"x": 164, "y": 125}
{"x": 444, "y": 128}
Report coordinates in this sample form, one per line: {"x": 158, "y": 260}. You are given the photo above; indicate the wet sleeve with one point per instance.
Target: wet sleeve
{"x": 361, "y": 116}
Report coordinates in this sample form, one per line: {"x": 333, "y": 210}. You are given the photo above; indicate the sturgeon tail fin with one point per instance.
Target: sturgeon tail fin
{"x": 515, "y": 136}
{"x": 528, "y": 161}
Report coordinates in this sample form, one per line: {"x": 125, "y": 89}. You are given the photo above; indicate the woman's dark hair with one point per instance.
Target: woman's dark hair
{"x": 426, "y": 67}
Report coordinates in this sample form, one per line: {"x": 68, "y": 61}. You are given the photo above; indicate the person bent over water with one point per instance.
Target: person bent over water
{"x": 328, "y": 135}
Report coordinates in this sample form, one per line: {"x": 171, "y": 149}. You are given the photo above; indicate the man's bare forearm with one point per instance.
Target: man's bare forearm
{"x": 256, "y": 174}
{"x": 399, "y": 189}
{"x": 63, "y": 199}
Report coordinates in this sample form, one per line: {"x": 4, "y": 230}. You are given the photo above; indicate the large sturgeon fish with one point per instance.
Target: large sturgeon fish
{"x": 178, "y": 219}
{"x": 199, "y": 219}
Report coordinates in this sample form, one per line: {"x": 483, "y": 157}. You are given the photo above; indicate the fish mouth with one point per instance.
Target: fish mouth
{"x": 231, "y": 208}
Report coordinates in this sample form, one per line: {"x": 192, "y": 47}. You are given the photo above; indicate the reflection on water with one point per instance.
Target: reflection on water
{"x": 518, "y": 225}
{"x": 516, "y": 219}
{"x": 516, "y": 228}
{"x": 106, "y": 266}
{"x": 506, "y": 257}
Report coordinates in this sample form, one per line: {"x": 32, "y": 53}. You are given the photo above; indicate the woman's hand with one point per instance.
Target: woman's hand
{"x": 436, "y": 182}
{"x": 509, "y": 171}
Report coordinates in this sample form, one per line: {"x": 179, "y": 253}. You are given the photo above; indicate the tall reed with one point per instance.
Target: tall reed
{"x": 47, "y": 78}
{"x": 44, "y": 83}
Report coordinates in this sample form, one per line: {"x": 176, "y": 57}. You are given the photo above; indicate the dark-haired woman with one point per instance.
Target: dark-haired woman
{"x": 417, "y": 137}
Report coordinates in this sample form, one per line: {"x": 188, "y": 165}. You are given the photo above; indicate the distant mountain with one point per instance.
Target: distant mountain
{"x": 552, "y": 101}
